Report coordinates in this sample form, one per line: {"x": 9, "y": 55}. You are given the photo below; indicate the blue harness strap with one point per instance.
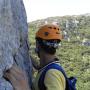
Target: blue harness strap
{"x": 70, "y": 82}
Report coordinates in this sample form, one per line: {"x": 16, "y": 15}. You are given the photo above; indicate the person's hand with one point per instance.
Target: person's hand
{"x": 17, "y": 78}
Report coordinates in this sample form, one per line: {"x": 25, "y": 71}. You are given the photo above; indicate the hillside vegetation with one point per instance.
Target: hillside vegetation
{"x": 74, "y": 52}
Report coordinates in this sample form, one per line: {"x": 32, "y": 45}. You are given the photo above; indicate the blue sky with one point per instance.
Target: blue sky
{"x": 39, "y": 9}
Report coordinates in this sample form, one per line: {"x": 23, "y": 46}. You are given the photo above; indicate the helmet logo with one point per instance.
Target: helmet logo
{"x": 46, "y": 33}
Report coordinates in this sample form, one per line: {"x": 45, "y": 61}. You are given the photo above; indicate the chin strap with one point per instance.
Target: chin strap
{"x": 37, "y": 50}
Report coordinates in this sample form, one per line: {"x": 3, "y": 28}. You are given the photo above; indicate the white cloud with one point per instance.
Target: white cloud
{"x": 37, "y": 9}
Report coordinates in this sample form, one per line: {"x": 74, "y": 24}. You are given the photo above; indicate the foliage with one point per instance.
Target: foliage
{"x": 74, "y": 57}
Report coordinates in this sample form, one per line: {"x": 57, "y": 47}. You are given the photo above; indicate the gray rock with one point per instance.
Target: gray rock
{"x": 13, "y": 39}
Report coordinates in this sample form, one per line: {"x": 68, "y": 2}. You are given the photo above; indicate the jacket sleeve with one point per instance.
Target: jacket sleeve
{"x": 54, "y": 80}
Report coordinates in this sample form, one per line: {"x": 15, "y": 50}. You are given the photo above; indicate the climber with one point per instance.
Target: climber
{"x": 51, "y": 75}
{"x": 48, "y": 39}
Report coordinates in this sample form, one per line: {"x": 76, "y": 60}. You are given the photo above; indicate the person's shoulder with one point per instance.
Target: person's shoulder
{"x": 54, "y": 73}
{"x": 56, "y": 79}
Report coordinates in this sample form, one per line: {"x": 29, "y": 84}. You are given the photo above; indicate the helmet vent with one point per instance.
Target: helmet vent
{"x": 54, "y": 28}
{"x": 46, "y": 33}
{"x": 57, "y": 33}
{"x": 50, "y": 27}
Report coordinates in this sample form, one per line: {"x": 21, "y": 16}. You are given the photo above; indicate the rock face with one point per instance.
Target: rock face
{"x": 13, "y": 39}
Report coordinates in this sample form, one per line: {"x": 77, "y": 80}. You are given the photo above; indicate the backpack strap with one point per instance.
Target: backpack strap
{"x": 50, "y": 66}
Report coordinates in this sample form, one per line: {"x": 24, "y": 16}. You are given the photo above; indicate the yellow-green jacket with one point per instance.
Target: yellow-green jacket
{"x": 54, "y": 79}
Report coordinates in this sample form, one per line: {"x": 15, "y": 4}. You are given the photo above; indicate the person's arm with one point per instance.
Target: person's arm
{"x": 54, "y": 80}
{"x": 17, "y": 78}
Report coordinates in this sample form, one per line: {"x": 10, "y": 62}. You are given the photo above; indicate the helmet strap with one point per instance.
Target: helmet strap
{"x": 37, "y": 51}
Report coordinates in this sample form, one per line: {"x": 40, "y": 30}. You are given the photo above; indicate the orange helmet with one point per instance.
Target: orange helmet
{"x": 49, "y": 32}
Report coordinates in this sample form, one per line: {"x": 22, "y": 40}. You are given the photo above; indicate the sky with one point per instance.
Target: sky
{"x": 40, "y": 9}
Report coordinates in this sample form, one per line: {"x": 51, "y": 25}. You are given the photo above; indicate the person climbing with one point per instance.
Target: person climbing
{"x": 50, "y": 74}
